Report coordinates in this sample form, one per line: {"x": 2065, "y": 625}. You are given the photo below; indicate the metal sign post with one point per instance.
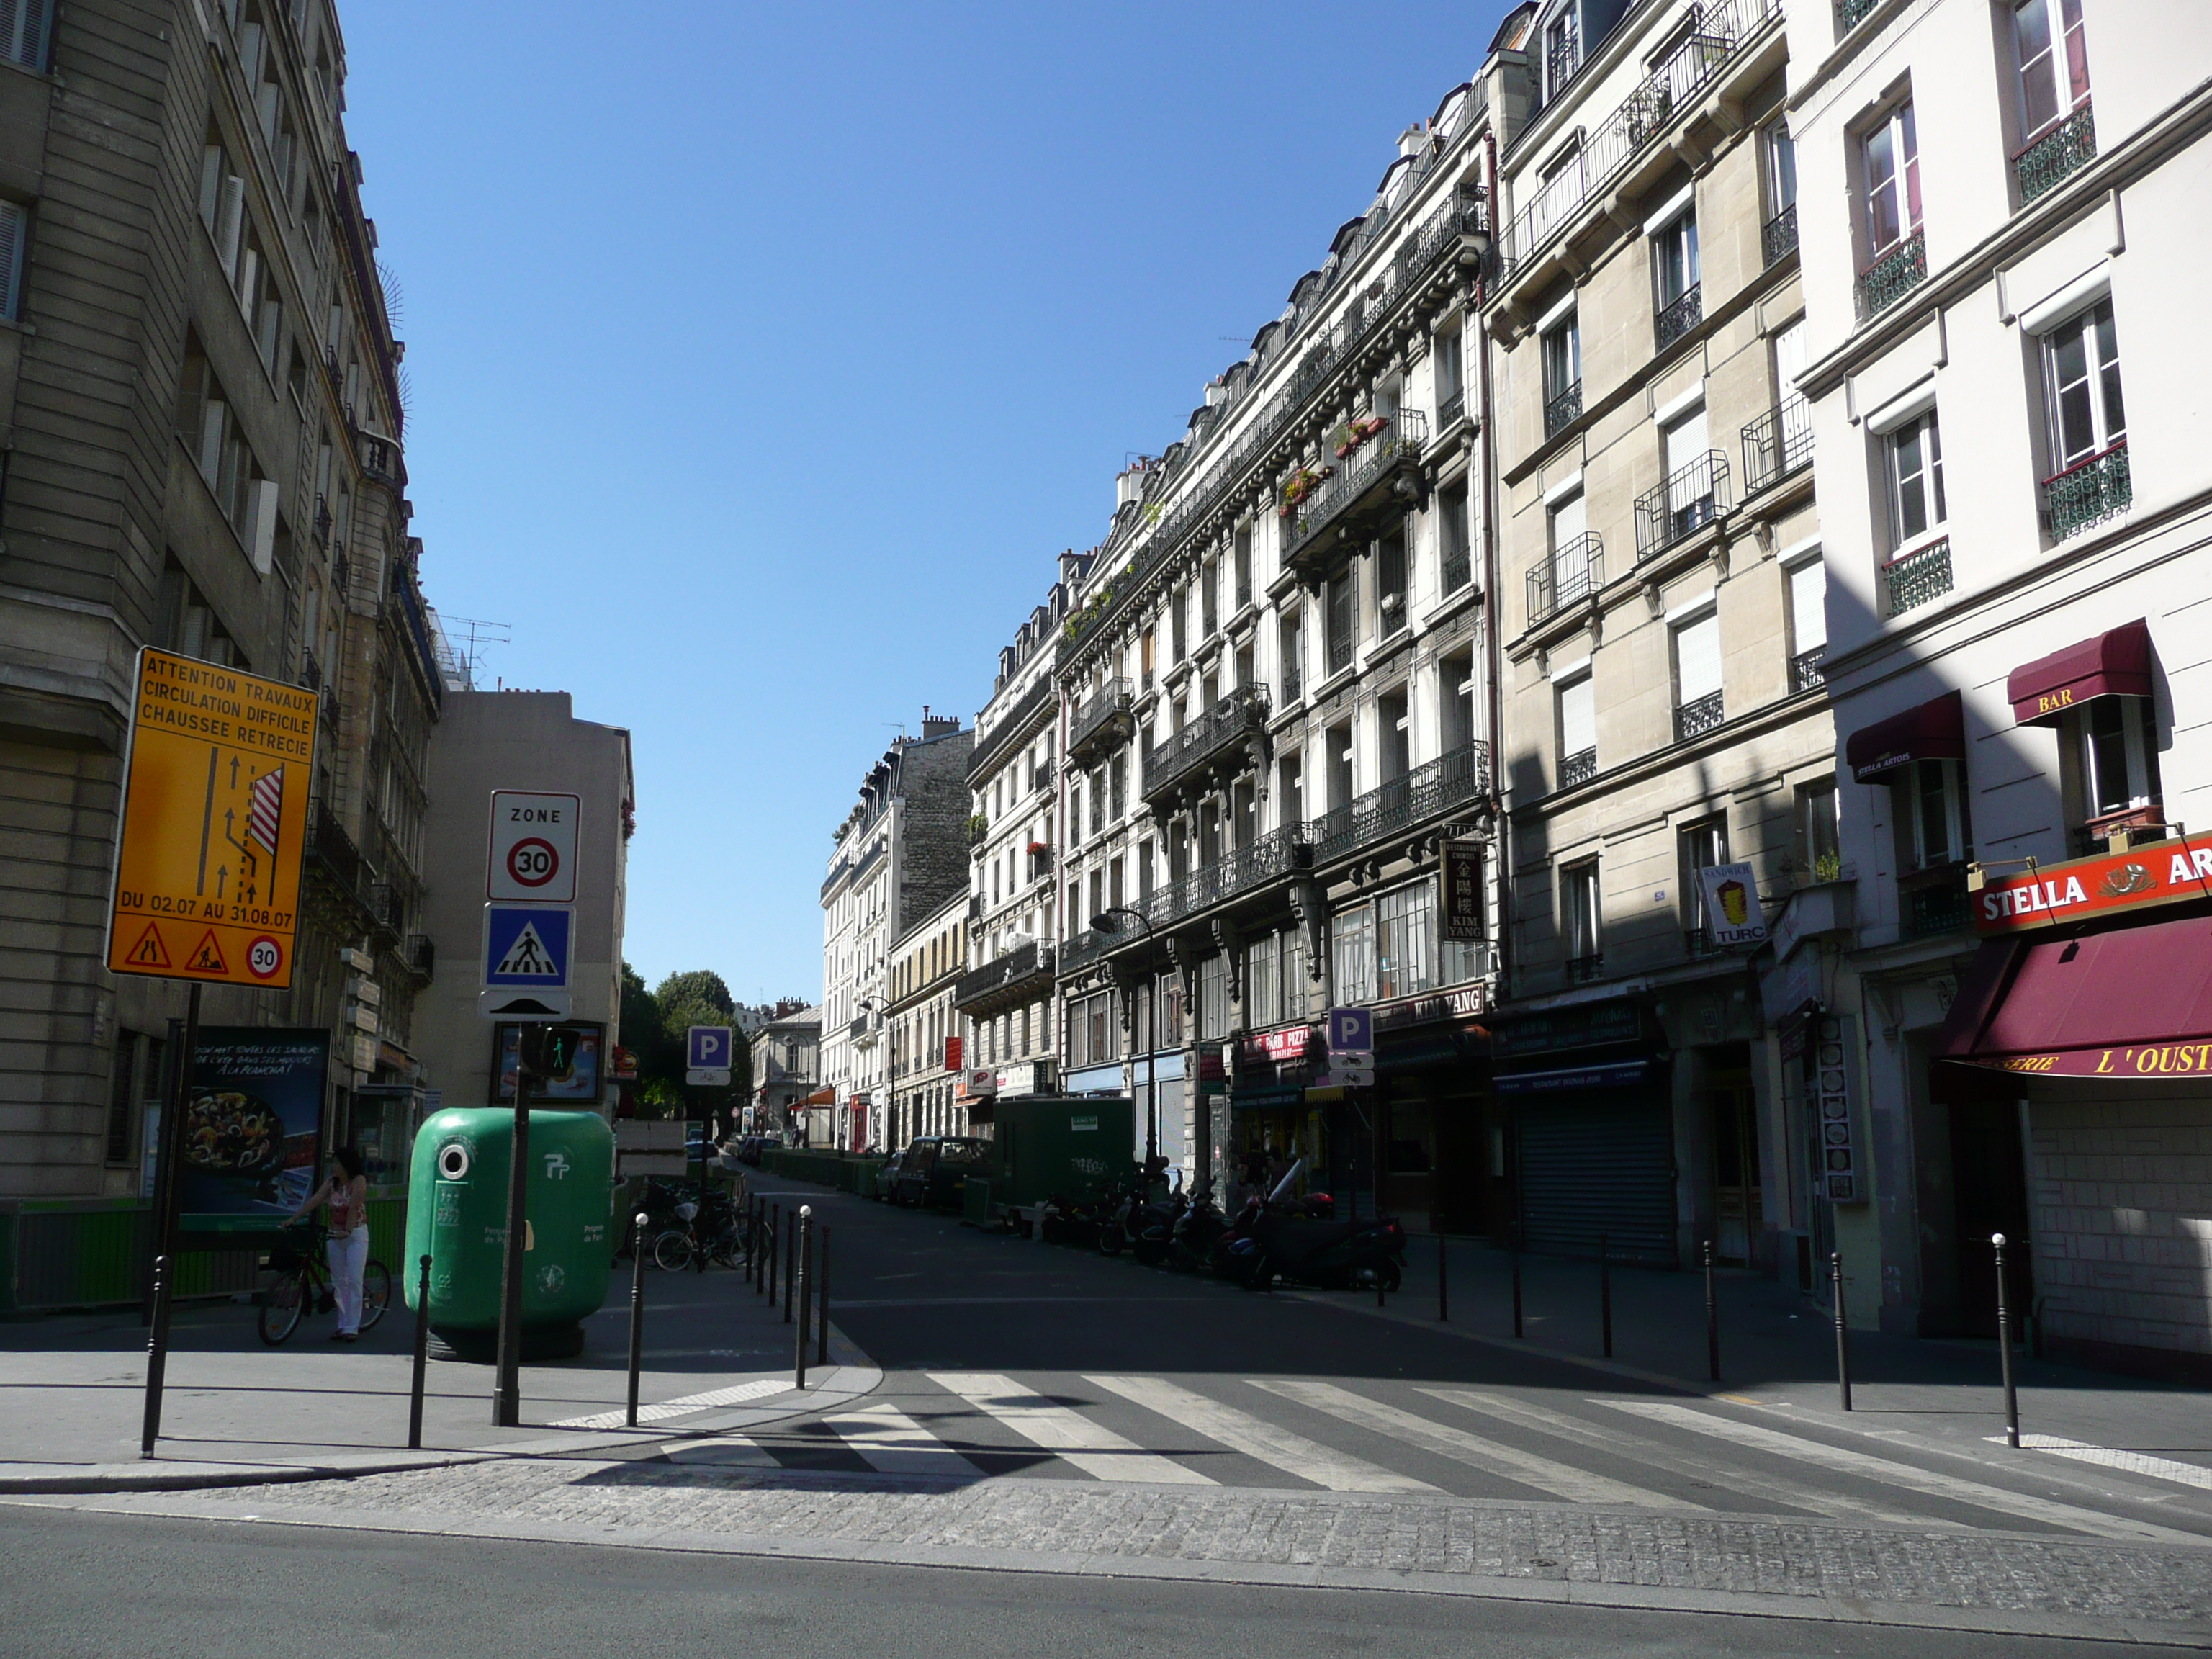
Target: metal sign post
{"x": 507, "y": 1387}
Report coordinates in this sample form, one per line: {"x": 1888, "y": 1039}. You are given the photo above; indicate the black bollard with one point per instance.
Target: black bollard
{"x": 2004, "y": 1347}
{"x": 1517, "y": 1330}
{"x": 754, "y": 1208}
{"x": 1712, "y": 1319}
{"x": 791, "y": 1256}
{"x": 1444, "y": 1297}
{"x": 157, "y": 1355}
{"x": 1842, "y": 1326}
{"x": 637, "y": 1318}
{"x": 775, "y": 1222}
{"x": 422, "y": 1357}
{"x": 822, "y": 1300}
{"x": 805, "y": 1246}
{"x": 1605, "y": 1291}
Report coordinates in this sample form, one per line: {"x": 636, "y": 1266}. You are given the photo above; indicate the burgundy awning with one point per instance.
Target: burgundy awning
{"x": 1935, "y": 730}
{"x": 2133, "y": 1002}
{"x": 2116, "y": 664}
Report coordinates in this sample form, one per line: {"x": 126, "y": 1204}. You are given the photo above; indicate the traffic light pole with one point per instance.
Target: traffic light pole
{"x": 506, "y": 1390}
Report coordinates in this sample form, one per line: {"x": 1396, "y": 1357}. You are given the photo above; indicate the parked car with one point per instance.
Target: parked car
{"x": 750, "y": 1149}
{"x": 933, "y": 1170}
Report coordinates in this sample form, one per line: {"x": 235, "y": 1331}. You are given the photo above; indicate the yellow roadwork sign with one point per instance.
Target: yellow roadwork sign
{"x": 215, "y": 819}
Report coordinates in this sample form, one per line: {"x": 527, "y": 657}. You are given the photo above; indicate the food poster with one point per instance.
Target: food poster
{"x": 576, "y": 1084}
{"x": 252, "y": 1134}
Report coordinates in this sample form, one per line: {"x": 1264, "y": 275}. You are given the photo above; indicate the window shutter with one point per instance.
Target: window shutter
{"x": 13, "y": 222}
{"x": 1808, "y": 605}
{"x": 211, "y": 428}
{"x": 1577, "y": 717}
{"x": 1697, "y": 658}
{"x": 264, "y": 540}
{"x": 230, "y": 219}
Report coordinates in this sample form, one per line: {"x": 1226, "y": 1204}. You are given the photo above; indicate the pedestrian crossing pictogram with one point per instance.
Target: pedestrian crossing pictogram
{"x": 149, "y": 951}
{"x": 207, "y": 957}
{"x": 528, "y": 958}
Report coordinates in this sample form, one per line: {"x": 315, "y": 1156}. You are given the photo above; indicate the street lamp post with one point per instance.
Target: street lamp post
{"x": 882, "y": 1012}
{"x": 1103, "y": 922}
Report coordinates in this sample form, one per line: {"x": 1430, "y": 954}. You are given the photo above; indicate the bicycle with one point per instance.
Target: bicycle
{"x": 303, "y": 1284}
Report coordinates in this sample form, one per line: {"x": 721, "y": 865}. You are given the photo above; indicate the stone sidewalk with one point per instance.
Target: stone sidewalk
{"x": 72, "y": 1391}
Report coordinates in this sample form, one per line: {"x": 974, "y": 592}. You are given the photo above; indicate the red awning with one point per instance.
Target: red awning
{"x": 2116, "y": 664}
{"x": 2133, "y": 1002}
{"x": 1935, "y": 730}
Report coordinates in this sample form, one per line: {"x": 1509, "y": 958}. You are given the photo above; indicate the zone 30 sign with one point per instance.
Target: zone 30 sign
{"x": 533, "y": 847}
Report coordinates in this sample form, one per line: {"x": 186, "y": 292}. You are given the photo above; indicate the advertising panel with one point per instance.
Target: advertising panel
{"x": 251, "y": 1139}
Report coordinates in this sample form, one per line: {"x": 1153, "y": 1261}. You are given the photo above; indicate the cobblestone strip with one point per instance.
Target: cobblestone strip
{"x": 1564, "y": 1544}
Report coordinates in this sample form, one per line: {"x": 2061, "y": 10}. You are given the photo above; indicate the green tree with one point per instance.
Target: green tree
{"x": 698, "y": 997}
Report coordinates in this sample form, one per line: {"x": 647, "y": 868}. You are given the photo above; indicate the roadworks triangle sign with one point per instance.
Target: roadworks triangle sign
{"x": 149, "y": 951}
{"x": 528, "y": 958}
{"x": 207, "y": 957}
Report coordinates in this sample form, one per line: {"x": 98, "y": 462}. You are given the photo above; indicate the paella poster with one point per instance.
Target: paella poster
{"x": 254, "y": 1120}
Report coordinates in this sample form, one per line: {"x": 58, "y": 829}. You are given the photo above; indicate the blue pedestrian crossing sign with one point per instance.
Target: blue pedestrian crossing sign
{"x": 526, "y": 945}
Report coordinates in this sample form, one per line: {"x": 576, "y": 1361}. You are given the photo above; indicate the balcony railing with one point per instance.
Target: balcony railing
{"x": 1678, "y": 318}
{"x": 1921, "y": 575}
{"x": 1777, "y": 444}
{"x": 1573, "y": 572}
{"x": 1579, "y": 767}
{"x": 1694, "y": 497}
{"x": 1849, "y": 14}
{"x": 1563, "y": 410}
{"x": 1581, "y": 970}
{"x": 1698, "y": 942}
{"x": 1246, "y": 868}
{"x": 1227, "y": 727}
{"x": 1294, "y": 681}
{"x": 1398, "y": 445}
{"x": 1101, "y": 721}
{"x": 1808, "y": 670}
{"x": 2088, "y": 492}
{"x": 1458, "y": 570}
{"x": 1428, "y": 789}
{"x": 1699, "y": 716}
{"x": 1642, "y": 115}
{"x": 2063, "y": 150}
{"x": 1021, "y": 968}
{"x": 1343, "y": 646}
{"x": 1450, "y": 409}
{"x": 1893, "y": 276}
{"x": 1778, "y": 238}
{"x": 419, "y": 953}
{"x": 1937, "y": 905}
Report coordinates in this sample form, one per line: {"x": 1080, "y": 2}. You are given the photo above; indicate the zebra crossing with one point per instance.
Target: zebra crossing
{"x": 1413, "y": 1440}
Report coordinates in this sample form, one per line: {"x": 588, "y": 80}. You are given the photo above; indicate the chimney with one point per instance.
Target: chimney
{"x": 1071, "y": 562}
{"x": 937, "y": 726}
{"x": 1413, "y": 139}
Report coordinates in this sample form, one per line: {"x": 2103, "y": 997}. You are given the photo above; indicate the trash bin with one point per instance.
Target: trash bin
{"x": 457, "y": 1215}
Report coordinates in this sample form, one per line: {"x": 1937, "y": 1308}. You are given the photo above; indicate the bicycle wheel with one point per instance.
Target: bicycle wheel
{"x": 375, "y": 1292}
{"x": 672, "y": 1252}
{"x": 280, "y": 1315}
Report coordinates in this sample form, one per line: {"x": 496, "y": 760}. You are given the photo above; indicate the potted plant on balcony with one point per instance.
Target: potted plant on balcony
{"x": 1300, "y": 484}
{"x": 1352, "y": 434}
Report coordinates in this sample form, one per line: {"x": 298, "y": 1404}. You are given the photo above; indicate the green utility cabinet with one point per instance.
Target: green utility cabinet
{"x": 457, "y": 1216}
{"x": 1047, "y": 1144}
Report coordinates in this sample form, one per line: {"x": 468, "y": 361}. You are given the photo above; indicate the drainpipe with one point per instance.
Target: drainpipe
{"x": 1487, "y": 457}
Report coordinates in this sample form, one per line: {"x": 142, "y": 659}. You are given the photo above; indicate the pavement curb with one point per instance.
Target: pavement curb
{"x": 157, "y": 1475}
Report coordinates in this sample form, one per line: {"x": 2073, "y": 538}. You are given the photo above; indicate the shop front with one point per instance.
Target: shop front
{"x": 1434, "y": 1125}
{"x": 1271, "y": 1125}
{"x": 2076, "y": 1072}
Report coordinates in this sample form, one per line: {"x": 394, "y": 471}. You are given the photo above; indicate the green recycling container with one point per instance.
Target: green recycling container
{"x": 457, "y": 1216}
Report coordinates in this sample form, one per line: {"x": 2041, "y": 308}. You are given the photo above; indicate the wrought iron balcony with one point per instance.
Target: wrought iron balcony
{"x": 1458, "y": 570}
{"x": 2088, "y": 492}
{"x": 1101, "y": 723}
{"x": 1777, "y": 444}
{"x": 1699, "y": 716}
{"x": 1377, "y": 476}
{"x": 1893, "y": 276}
{"x": 1227, "y": 731}
{"x": 1294, "y": 681}
{"x": 1936, "y": 903}
{"x": 1579, "y": 767}
{"x": 2061, "y": 151}
{"x": 419, "y": 953}
{"x": 1808, "y": 669}
{"x": 1450, "y": 409}
{"x": 1436, "y": 786}
{"x": 1573, "y": 572}
{"x": 1849, "y": 14}
{"x": 1246, "y": 869}
{"x": 1581, "y": 970}
{"x": 1778, "y": 238}
{"x": 1022, "y": 973}
{"x": 1085, "y": 948}
{"x": 1698, "y": 942}
{"x": 1921, "y": 575}
{"x": 1678, "y": 318}
{"x": 1563, "y": 409}
{"x": 1694, "y": 497}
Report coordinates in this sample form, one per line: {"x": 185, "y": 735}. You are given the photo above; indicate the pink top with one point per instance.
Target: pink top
{"x": 343, "y": 1209}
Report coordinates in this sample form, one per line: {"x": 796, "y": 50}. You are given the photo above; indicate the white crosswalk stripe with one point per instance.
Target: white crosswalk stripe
{"x": 1932, "y": 1482}
{"x": 2135, "y": 1463}
{"x": 661, "y": 1411}
{"x": 893, "y": 1443}
{"x": 728, "y": 1452}
{"x": 1067, "y": 1433}
{"x": 1526, "y": 1468}
{"x": 1256, "y": 1438}
{"x": 1786, "y": 1493}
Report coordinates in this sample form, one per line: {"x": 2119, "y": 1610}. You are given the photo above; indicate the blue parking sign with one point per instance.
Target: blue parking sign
{"x": 707, "y": 1048}
{"x": 1351, "y": 1031}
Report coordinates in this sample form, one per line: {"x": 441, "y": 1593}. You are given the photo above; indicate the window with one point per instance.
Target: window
{"x": 1352, "y": 940}
{"x": 1455, "y": 541}
{"x": 1178, "y": 627}
{"x": 1580, "y": 922}
{"x": 1562, "y": 356}
{"x": 2119, "y": 756}
{"x": 1118, "y": 786}
{"x": 1146, "y": 653}
{"x": 1263, "y": 989}
{"x": 1563, "y": 51}
{"x": 1700, "y": 847}
{"x": 1697, "y": 674}
{"x": 14, "y": 224}
{"x": 1675, "y": 268}
{"x": 1343, "y": 618}
{"x": 1339, "y": 742}
{"x": 1809, "y": 623}
{"x": 122, "y": 1097}
{"x": 1569, "y": 519}
{"x": 1214, "y": 997}
{"x": 210, "y": 428}
{"x": 1578, "y": 730}
{"x": 2081, "y": 365}
{"x": 1915, "y": 452}
{"x": 1209, "y": 583}
{"x": 1781, "y": 170}
{"x": 1242, "y": 555}
{"x": 1390, "y": 582}
{"x": 1818, "y": 831}
{"x": 23, "y": 33}
{"x": 1451, "y": 373}
{"x": 1291, "y": 645}
{"x": 1935, "y": 831}
{"x": 1406, "y": 926}
{"x": 2053, "y": 59}
{"x": 1889, "y": 160}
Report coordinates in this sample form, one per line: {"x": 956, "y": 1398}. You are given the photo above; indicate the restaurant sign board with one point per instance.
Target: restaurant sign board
{"x": 2168, "y": 872}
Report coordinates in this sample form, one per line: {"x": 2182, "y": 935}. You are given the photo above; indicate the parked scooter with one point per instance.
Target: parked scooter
{"x": 1128, "y": 1212}
{"x": 1275, "y": 1240}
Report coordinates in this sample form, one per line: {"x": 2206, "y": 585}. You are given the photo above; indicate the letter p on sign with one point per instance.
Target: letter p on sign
{"x": 708, "y": 1048}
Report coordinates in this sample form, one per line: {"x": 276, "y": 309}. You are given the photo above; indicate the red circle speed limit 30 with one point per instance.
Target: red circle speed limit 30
{"x": 265, "y": 957}
{"x": 532, "y": 862}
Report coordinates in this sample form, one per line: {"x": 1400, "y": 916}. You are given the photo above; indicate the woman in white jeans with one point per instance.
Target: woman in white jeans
{"x": 345, "y": 1194}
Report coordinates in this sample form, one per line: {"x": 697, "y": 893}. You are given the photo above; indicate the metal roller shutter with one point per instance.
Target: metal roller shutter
{"x": 1599, "y": 1163}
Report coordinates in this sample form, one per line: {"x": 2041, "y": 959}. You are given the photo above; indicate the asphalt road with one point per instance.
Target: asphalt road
{"x": 109, "y": 1587}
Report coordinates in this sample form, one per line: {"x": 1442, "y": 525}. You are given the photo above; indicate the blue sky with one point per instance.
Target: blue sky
{"x": 763, "y": 358}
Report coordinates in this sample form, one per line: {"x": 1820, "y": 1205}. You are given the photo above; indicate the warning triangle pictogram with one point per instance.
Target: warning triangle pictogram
{"x": 149, "y": 951}
{"x": 527, "y": 957}
{"x": 207, "y": 957}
